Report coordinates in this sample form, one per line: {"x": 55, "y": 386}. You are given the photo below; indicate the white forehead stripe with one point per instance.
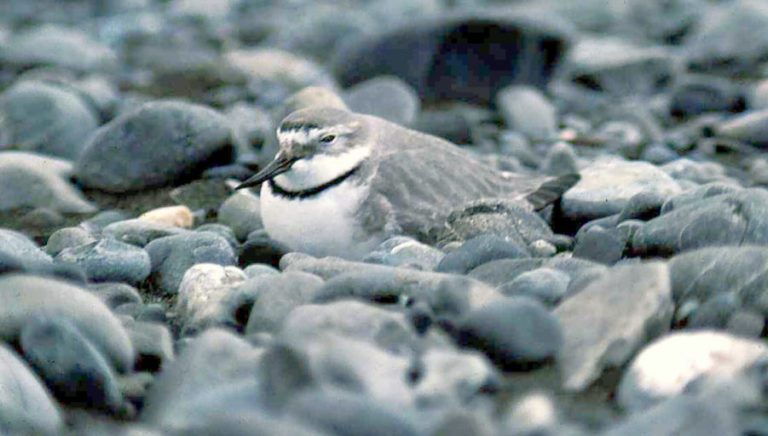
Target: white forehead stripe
{"x": 301, "y": 136}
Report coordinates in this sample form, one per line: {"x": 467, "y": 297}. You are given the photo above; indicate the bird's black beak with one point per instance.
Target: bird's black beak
{"x": 279, "y": 165}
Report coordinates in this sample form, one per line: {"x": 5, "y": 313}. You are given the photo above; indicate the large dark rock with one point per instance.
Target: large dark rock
{"x": 466, "y": 58}
{"x": 157, "y": 144}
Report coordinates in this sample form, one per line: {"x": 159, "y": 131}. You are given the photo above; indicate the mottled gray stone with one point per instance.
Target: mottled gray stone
{"x": 388, "y": 97}
{"x": 526, "y": 110}
{"x": 108, "y": 260}
{"x": 140, "y": 232}
{"x": 67, "y": 237}
{"x": 276, "y": 295}
{"x": 242, "y": 213}
{"x": 203, "y": 296}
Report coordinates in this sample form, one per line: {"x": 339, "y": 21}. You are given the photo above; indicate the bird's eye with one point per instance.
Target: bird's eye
{"x": 328, "y": 139}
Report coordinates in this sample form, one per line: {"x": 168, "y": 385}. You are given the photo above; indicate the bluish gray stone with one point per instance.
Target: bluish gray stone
{"x": 526, "y": 110}
{"x": 631, "y": 303}
{"x": 276, "y": 295}
{"x": 153, "y": 344}
{"x": 348, "y": 414}
{"x": 25, "y": 296}
{"x": 140, "y": 232}
{"x": 600, "y": 245}
{"x": 18, "y": 252}
{"x": 388, "y": 97}
{"x": 407, "y": 252}
{"x": 34, "y": 180}
{"x": 477, "y": 251}
{"x": 114, "y": 294}
{"x": 108, "y": 260}
{"x": 73, "y": 368}
{"x": 242, "y": 213}
{"x": 171, "y": 256}
{"x": 26, "y": 407}
{"x": 546, "y": 285}
{"x": 155, "y": 145}
{"x": 46, "y": 118}
{"x": 67, "y": 237}
{"x": 512, "y": 333}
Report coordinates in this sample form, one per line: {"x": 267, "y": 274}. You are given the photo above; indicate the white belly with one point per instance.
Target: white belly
{"x": 322, "y": 225}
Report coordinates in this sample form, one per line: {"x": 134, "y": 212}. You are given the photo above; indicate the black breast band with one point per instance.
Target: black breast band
{"x": 309, "y": 192}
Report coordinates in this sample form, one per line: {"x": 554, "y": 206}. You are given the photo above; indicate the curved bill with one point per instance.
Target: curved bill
{"x": 279, "y": 165}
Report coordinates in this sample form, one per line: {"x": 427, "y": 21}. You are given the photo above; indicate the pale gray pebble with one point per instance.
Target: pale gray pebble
{"x": 702, "y": 173}
{"x": 27, "y": 406}
{"x": 738, "y": 218}
{"x": 34, "y": 180}
{"x": 242, "y": 213}
{"x": 388, "y": 97}
{"x": 607, "y": 186}
{"x": 498, "y": 272}
{"x": 513, "y": 333}
{"x": 630, "y": 303}
{"x": 167, "y": 140}
{"x": 108, "y": 260}
{"x": 619, "y": 68}
{"x": 601, "y": 245}
{"x": 153, "y": 344}
{"x": 214, "y": 359}
{"x": 171, "y": 256}
{"x": 389, "y": 329}
{"x": 98, "y": 222}
{"x": 258, "y": 269}
{"x": 665, "y": 21}
{"x": 715, "y": 312}
{"x": 25, "y": 296}
{"x": 67, "y": 237}
{"x": 349, "y": 414}
{"x": 658, "y": 154}
{"x": 515, "y": 144}
{"x": 479, "y": 250}
{"x": 746, "y": 323}
{"x": 695, "y": 95}
{"x": 209, "y": 295}
{"x": 153, "y": 312}
{"x": 140, "y": 232}
{"x": 407, "y": 252}
{"x": 560, "y": 159}
{"x": 453, "y": 377}
{"x": 221, "y": 230}
{"x": 276, "y": 295}
{"x": 46, "y": 118}
{"x": 18, "y": 252}
{"x": 114, "y": 294}
{"x": 546, "y": 285}
{"x": 686, "y": 356}
{"x": 73, "y": 368}
{"x": 526, "y": 110}
{"x": 59, "y": 46}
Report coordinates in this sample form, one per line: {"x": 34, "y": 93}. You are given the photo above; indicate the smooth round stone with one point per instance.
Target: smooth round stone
{"x": 177, "y": 216}
{"x": 171, "y": 256}
{"x": 748, "y": 127}
{"x": 102, "y": 219}
{"x": 477, "y": 251}
{"x": 746, "y": 323}
{"x": 601, "y": 245}
{"x": 139, "y": 232}
{"x": 75, "y": 371}
{"x": 698, "y": 95}
{"x": 546, "y": 285}
{"x": 260, "y": 269}
{"x": 560, "y": 159}
{"x": 259, "y": 248}
{"x": 665, "y": 367}
{"x": 58, "y": 46}
{"x": 207, "y": 298}
{"x": 642, "y": 206}
{"x": 153, "y": 344}
{"x": 388, "y": 97}
{"x": 46, "y": 118}
{"x": 701, "y": 173}
{"x": 498, "y": 272}
{"x": 108, "y": 260}
{"x": 34, "y": 180}
{"x": 214, "y": 359}
{"x": 406, "y": 252}
{"x": 101, "y": 92}
{"x": 26, "y": 407}
{"x": 526, "y": 110}
{"x": 715, "y": 312}
{"x": 388, "y": 329}
{"x": 276, "y": 296}
{"x": 114, "y": 294}
{"x": 453, "y": 377}
{"x": 157, "y": 144}
{"x": 220, "y": 230}
{"x": 348, "y": 414}
{"x": 25, "y": 296}
{"x": 18, "y": 252}
{"x": 67, "y": 237}
{"x": 512, "y": 333}
{"x": 607, "y": 185}
{"x": 242, "y": 213}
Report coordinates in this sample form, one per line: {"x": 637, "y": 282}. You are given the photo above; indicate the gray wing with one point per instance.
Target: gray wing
{"x": 424, "y": 178}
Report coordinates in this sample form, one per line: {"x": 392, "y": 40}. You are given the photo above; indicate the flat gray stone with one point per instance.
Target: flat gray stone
{"x": 388, "y": 97}
{"x": 276, "y": 296}
{"x": 34, "y": 180}
{"x": 629, "y": 303}
{"x": 242, "y": 213}
{"x": 108, "y": 260}
{"x": 25, "y": 296}
{"x": 526, "y": 110}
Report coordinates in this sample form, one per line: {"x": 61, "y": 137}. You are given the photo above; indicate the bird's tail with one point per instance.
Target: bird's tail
{"x": 551, "y": 190}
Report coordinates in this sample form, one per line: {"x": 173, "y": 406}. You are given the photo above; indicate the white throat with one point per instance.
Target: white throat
{"x": 321, "y": 169}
